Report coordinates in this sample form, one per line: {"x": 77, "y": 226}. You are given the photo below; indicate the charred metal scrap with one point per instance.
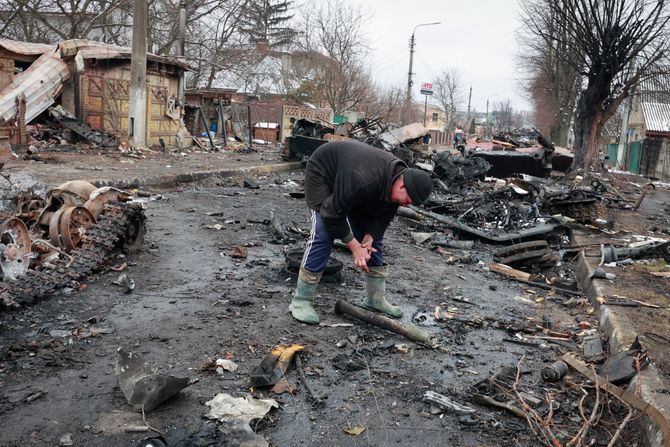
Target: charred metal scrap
{"x": 510, "y": 154}
{"x": 52, "y": 242}
{"x": 307, "y": 135}
{"x": 514, "y": 208}
{"x": 455, "y": 170}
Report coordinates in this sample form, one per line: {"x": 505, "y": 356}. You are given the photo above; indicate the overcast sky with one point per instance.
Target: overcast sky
{"x": 477, "y": 37}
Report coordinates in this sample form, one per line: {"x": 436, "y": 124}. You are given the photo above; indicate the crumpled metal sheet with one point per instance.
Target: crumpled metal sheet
{"x": 40, "y": 84}
{"x": 26, "y": 48}
{"x": 141, "y": 384}
{"x": 403, "y": 134}
{"x": 90, "y": 49}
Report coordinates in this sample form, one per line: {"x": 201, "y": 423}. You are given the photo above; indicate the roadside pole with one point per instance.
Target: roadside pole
{"x": 426, "y": 90}
{"x": 137, "y": 114}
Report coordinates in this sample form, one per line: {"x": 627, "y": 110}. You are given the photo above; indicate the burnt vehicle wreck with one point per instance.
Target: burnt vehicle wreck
{"x": 53, "y": 242}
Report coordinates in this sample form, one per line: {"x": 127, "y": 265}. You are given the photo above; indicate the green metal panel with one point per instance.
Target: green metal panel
{"x": 339, "y": 119}
{"x": 611, "y": 153}
{"x": 634, "y": 157}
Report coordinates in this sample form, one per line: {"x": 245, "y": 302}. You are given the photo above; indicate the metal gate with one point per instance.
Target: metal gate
{"x": 634, "y": 157}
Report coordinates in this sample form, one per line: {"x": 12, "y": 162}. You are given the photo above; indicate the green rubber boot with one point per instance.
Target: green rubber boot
{"x": 301, "y": 305}
{"x": 375, "y": 286}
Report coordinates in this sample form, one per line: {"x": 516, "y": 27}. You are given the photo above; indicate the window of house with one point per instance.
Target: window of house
{"x": 435, "y": 117}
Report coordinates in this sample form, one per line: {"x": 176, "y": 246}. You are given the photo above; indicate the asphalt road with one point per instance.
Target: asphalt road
{"x": 193, "y": 302}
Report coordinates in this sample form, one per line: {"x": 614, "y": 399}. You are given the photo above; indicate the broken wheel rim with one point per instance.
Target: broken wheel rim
{"x": 69, "y": 225}
{"x": 15, "y": 252}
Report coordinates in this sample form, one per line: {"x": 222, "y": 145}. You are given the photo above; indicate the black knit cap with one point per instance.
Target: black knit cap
{"x": 418, "y": 185}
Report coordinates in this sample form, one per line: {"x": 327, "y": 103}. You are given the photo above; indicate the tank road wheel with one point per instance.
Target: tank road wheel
{"x": 69, "y": 225}
{"x": 14, "y": 248}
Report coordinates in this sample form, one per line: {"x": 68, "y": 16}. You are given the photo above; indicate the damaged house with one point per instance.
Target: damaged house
{"x": 266, "y": 93}
{"x": 91, "y": 81}
{"x": 645, "y": 142}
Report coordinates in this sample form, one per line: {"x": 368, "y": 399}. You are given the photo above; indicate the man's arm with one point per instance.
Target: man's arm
{"x": 348, "y": 193}
{"x": 377, "y": 226}
{"x": 335, "y": 222}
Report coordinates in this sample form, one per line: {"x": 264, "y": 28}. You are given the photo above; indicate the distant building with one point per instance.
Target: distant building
{"x": 644, "y": 143}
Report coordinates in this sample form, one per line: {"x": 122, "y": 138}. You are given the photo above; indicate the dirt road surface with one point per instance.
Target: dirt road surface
{"x": 194, "y": 302}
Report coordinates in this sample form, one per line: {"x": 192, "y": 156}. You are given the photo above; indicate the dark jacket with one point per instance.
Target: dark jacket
{"x": 349, "y": 179}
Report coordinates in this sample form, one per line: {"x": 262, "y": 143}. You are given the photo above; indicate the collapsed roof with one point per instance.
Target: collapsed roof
{"x": 42, "y": 82}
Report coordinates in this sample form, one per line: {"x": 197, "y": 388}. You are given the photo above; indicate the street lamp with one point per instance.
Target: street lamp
{"x": 408, "y": 98}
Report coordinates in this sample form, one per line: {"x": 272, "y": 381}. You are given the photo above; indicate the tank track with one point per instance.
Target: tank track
{"x": 109, "y": 233}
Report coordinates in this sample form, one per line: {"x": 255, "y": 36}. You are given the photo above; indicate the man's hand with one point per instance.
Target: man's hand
{"x": 367, "y": 243}
{"x": 361, "y": 254}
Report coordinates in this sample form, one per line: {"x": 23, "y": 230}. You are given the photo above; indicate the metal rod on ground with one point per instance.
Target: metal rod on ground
{"x": 438, "y": 217}
{"x": 638, "y": 202}
{"x": 549, "y": 287}
{"x": 403, "y": 211}
{"x": 305, "y": 383}
{"x": 404, "y": 329}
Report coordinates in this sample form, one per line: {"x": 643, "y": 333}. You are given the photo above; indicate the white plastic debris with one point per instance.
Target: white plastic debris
{"x": 226, "y": 408}
{"x": 225, "y": 364}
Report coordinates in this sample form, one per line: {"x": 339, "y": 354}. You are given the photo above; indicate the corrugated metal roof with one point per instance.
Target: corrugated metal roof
{"x": 656, "y": 116}
{"x": 26, "y": 48}
{"x": 40, "y": 84}
{"x": 90, "y": 49}
{"x": 656, "y": 89}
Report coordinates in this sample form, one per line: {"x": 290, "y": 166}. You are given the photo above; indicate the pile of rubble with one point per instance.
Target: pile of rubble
{"x": 53, "y": 241}
{"x": 307, "y": 135}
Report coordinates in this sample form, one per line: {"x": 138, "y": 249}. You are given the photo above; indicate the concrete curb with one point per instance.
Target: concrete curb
{"x": 618, "y": 327}
{"x": 168, "y": 180}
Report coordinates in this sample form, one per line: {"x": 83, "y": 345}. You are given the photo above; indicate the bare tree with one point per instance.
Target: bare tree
{"x": 449, "y": 94}
{"x": 215, "y": 45}
{"x": 336, "y": 31}
{"x": 504, "y": 114}
{"x": 613, "y": 45}
{"x": 387, "y": 103}
{"x": 53, "y": 20}
{"x": 105, "y": 20}
{"x": 550, "y": 81}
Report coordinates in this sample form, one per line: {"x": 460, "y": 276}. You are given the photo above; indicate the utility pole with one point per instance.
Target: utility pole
{"x": 469, "y": 102}
{"x": 408, "y": 96}
{"x": 487, "y": 118}
{"x": 180, "y": 48}
{"x": 137, "y": 113}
